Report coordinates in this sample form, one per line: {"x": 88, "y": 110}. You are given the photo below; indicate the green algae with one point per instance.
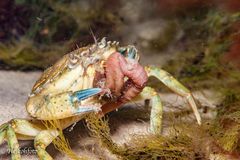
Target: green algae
{"x": 22, "y": 55}
{"x": 207, "y": 70}
{"x": 226, "y": 126}
{"x": 53, "y": 29}
{"x": 181, "y": 143}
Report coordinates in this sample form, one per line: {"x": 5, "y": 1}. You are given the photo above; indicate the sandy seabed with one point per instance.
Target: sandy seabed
{"x": 14, "y": 90}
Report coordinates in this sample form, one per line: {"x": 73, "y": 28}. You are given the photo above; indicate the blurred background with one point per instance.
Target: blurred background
{"x": 195, "y": 40}
{"x": 35, "y": 33}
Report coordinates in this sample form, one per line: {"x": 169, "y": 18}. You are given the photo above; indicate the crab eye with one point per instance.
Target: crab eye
{"x": 129, "y": 52}
{"x": 122, "y": 50}
{"x": 132, "y": 53}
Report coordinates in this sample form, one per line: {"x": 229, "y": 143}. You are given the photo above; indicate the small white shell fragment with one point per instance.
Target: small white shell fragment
{"x": 31, "y": 95}
{"x": 71, "y": 128}
{"x": 102, "y": 43}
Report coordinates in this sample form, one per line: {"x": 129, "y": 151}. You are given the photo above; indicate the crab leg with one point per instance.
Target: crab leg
{"x": 175, "y": 86}
{"x": 2, "y": 136}
{"x": 62, "y": 105}
{"x": 7, "y": 132}
{"x": 156, "y": 110}
{"x": 14, "y": 128}
{"x": 42, "y": 140}
{"x": 2, "y": 133}
{"x": 26, "y": 129}
{"x": 13, "y": 143}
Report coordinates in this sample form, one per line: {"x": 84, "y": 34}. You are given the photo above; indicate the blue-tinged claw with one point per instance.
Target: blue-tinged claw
{"x": 90, "y": 108}
{"x": 84, "y": 94}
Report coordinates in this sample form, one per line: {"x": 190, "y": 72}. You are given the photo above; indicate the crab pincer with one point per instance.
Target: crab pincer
{"x": 86, "y": 93}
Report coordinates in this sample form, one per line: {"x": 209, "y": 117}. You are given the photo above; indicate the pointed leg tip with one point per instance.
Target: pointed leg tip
{"x": 199, "y": 123}
{"x": 199, "y": 120}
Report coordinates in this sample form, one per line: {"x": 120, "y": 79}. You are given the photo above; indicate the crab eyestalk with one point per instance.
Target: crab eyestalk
{"x": 133, "y": 53}
{"x": 129, "y": 52}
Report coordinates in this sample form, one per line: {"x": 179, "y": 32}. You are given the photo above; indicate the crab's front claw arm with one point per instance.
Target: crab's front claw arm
{"x": 63, "y": 105}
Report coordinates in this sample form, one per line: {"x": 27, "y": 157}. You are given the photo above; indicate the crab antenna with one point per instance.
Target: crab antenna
{"x": 94, "y": 37}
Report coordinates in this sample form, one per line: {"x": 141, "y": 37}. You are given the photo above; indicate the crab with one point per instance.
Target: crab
{"x": 97, "y": 78}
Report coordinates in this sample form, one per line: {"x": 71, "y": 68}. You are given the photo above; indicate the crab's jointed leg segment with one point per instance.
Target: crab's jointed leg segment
{"x": 175, "y": 86}
{"x": 156, "y": 110}
{"x": 24, "y": 129}
{"x": 7, "y": 132}
{"x": 42, "y": 140}
{"x": 2, "y": 133}
{"x": 2, "y": 136}
{"x": 13, "y": 143}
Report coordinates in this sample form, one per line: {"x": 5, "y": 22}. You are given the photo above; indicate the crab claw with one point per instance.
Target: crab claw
{"x": 84, "y": 94}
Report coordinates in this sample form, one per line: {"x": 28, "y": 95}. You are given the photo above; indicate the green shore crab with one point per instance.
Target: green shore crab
{"x": 97, "y": 78}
